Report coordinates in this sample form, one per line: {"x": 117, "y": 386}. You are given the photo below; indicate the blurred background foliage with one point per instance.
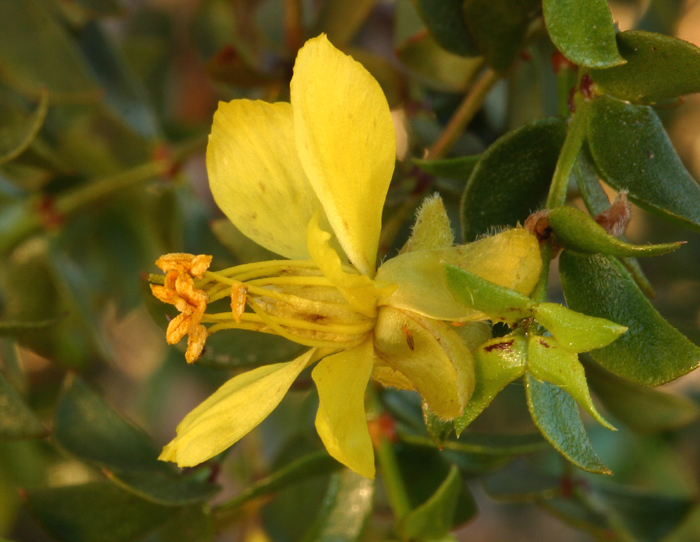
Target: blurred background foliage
{"x": 105, "y": 107}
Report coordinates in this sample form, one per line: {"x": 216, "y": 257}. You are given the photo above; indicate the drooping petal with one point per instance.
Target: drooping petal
{"x": 232, "y": 411}
{"x": 431, "y": 355}
{"x": 359, "y": 290}
{"x": 256, "y": 177}
{"x": 510, "y": 259}
{"x": 341, "y": 380}
{"x": 346, "y": 143}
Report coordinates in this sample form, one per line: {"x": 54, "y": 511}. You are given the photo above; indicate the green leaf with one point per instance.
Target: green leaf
{"x": 499, "y": 28}
{"x": 632, "y": 151}
{"x": 15, "y": 328}
{"x": 95, "y": 512}
{"x": 652, "y": 351}
{"x": 17, "y": 421}
{"x": 512, "y": 177}
{"x": 191, "y": 523}
{"x": 644, "y": 409}
{"x": 583, "y": 31}
{"x": 556, "y": 415}
{"x": 347, "y": 507}
{"x": 496, "y": 363}
{"x": 18, "y": 131}
{"x": 341, "y": 20}
{"x": 452, "y": 168}
{"x": 658, "y": 68}
{"x": 575, "y": 331}
{"x": 165, "y": 488}
{"x": 498, "y": 302}
{"x": 433, "y": 519}
{"x": 577, "y": 231}
{"x": 438, "y": 429}
{"x": 485, "y": 444}
{"x": 445, "y": 21}
{"x": 520, "y": 482}
{"x": 549, "y": 362}
{"x": 36, "y": 51}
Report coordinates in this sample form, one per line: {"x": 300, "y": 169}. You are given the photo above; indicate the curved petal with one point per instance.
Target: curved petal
{"x": 510, "y": 259}
{"x": 431, "y": 355}
{"x": 341, "y": 380}
{"x": 232, "y": 411}
{"x": 256, "y": 177}
{"x": 346, "y": 142}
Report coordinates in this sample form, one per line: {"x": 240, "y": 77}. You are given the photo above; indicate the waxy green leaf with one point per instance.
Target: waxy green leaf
{"x": 445, "y": 20}
{"x": 556, "y": 415}
{"x": 632, "y": 151}
{"x": 652, "y": 351}
{"x": 646, "y": 410}
{"x": 17, "y": 421}
{"x": 583, "y": 31}
{"x": 496, "y": 363}
{"x": 577, "y": 231}
{"x": 512, "y": 177}
{"x": 433, "y": 519}
{"x": 658, "y": 68}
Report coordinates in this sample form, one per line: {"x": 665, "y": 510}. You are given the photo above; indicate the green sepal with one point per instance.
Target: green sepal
{"x": 499, "y": 303}
{"x": 496, "y": 363}
{"x": 548, "y": 361}
{"x": 577, "y": 231}
{"x": 556, "y": 415}
{"x": 658, "y": 68}
{"x": 575, "y": 331}
{"x": 583, "y": 31}
{"x": 438, "y": 429}
{"x": 652, "y": 352}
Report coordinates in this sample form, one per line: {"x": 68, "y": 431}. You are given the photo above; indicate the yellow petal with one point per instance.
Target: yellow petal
{"x": 346, "y": 143}
{"x": 232, "y": 411}
{"x": 359, "y": 290}
{"x": 256, "y": 177}
{"x": 432, "y": 228}
{"x": 431, "y": 355}
{"x": 341, "y": 380}
{"x": 510, "y": 258}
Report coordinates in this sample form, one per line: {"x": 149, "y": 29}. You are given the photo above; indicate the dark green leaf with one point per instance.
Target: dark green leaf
{"x": 164, "y": 488}
{"x": 494, "y": 444}
{"x": 583, "y": 31}
{"x": 102, "y": 8}
{"x": 18, "y": 130}
{"x": 341, "y": 20}
{"x": 445, "y": 20}
{"x": 632, "y": 151}
{"x": 453, "y": 168}
{"x": 652, "y": 351}
{"x": 190, "y": 524}
{"x": 556, "y": 415}
{"x": 95, "y": 512}
{"x": 512, "y": 177}
{"x": 17, "y": 421}
{"x": 36, "y": 51}
{"x": 347, "y": 507}
{"x": 499, "y": 28}
{"x": 15, "y": 328}
{"x": 641, "y": 408}
{"x": 658, "y": 68}
{"x": 433, "y": 519}
{"x": 520, "y": 482}
{"x": 438, "y": 429}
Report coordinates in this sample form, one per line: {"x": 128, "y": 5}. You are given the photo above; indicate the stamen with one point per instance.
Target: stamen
{"x": 239, "y": 293}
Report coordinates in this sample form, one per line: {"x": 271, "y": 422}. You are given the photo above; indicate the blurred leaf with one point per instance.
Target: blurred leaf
{"x": 445, "y": 20}
{"x": 435, "y": 67}
{"x": 389, "y": 77}
{"x": 577, "y": 231}
{"x": 499, "y": 27}
{"x": 341, "y": 20}
{"x": 632, "y": 151}
{"x": 453, "y": 168}
{"x": 124, "y": 93}
{"x": 556, "y": 415}
{"x": 17, "y": 421}
{"x": 228, "y": 67}
{"x": 497, "y": 444}
{"x": 641, "y": 408}
{"x": 95, "y": 512}
{"x": 520, "y": 482}
{"x": 652, "y": 351}
{"x": 190, "y": 524}
{"x": 658, "y": 68}
{"x": 512, "y": 178}
{"x": 162, "y": 487}
{"x": 17, "y": 130}
{"x": 583, "y": 31}
{"x": 433, "y": 519}
{"x": 244, "y": 249}
{"x": 36, "y": 51}
{"x": 347, "y": 507}
{"x": 14, "y": 328}
{"x": 438, "y": 429}
{"x": 101, "y": 8}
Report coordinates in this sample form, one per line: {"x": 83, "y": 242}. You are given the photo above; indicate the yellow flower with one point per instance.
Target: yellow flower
{"x": 308, "y": 180}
